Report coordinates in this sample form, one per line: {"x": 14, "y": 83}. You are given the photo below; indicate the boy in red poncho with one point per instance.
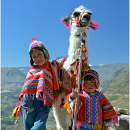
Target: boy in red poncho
{"x": 94, "y": 110}
{"x": 40, "y": 88}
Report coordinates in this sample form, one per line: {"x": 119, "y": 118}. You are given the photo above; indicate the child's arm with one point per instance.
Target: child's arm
{"x": 109, "y": 114}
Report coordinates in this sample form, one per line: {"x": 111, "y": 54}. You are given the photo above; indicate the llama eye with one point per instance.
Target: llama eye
{"x": 76, "y": 14}
{"x": 87, "y": 17}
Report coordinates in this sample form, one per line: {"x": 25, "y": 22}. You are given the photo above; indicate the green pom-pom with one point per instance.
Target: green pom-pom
{"x": 84, "y": 58}
{"x": 77, "y": 59}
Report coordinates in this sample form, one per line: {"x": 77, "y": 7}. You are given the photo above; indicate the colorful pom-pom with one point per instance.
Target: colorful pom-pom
{"x": 83, "y": 41}
{"x": 34, "y": 38}
{"x": 77, "y": 59}
{"x": 84, "y": 49}
{"x": 79, "y": 50}
{"x": 84, "y": 58}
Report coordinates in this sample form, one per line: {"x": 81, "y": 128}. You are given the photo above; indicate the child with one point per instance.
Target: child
{"x": 40, "y": 87}
{"x": 94, "y": 110}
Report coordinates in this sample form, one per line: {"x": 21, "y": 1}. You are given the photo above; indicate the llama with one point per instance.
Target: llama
{"x": 79, "y": 23}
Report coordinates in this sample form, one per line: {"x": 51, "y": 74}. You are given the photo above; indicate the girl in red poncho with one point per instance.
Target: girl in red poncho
{"x": 95, "y": 112}
{"x": 40, "y": 88}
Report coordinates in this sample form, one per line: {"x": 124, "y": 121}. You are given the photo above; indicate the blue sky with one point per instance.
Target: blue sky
{"x": 23, "y": 19}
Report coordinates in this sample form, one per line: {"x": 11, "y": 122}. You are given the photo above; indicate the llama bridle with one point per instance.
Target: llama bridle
{"x": 77, "y": 18}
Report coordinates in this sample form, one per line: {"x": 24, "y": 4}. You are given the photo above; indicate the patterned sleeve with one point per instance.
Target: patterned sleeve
{"x": 109, "y": 114}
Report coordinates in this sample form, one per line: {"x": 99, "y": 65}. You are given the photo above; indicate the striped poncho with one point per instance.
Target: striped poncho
{"x": 42, "y": 79}
{"x": 93, "y": 111}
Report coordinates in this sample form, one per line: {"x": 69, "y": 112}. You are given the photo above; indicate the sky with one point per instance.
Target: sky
{"x": 23, "y": 19}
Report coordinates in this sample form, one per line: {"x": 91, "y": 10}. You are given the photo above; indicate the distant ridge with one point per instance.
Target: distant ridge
{"x": 106, "y": 71}
{"x": 12, "y": 75}
{"x": 119, "y": 83}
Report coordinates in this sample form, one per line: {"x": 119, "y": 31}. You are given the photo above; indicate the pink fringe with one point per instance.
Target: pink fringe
{"x": 114, "y": 120}
{"x": 78, "y": 125}
{"x": 44, "y": 96}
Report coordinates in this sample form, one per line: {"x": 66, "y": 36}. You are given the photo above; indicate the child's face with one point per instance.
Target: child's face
{"x": 90, "y": 85}
{"x": 38, "y": 57}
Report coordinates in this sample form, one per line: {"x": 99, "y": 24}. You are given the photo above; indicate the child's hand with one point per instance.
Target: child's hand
{"x": 74, "y": 93}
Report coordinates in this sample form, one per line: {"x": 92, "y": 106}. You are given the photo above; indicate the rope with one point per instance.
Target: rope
{"x": 79, "y": 82}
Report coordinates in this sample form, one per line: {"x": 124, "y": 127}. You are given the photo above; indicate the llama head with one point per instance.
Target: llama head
{"x": 78, "y": 22}
{"x": 80, "y": 17}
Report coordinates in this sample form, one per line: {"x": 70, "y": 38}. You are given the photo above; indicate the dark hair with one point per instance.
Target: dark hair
{"x": 38, "y": 48}
{"x": 88, "y": 77}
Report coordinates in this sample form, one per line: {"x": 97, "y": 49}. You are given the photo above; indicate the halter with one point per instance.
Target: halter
{"x": 76, "y": 20}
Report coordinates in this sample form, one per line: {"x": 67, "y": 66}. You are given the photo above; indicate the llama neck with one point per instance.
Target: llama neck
{"x": 75, "y": 41}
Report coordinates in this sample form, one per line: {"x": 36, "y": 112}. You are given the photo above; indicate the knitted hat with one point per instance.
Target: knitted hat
{"x": 95, "y": 76}
{"x": 35, "y": 43}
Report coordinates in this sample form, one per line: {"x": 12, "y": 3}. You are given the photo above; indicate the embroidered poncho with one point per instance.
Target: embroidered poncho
{"x": 94, "y": 109}
{"x": 43, "y": 79}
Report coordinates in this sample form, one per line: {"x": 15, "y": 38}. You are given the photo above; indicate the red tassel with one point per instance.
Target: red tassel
{"x": 66, "y": 23}
{"x": 93, "y": 25}
{"x": 72, "y": 63}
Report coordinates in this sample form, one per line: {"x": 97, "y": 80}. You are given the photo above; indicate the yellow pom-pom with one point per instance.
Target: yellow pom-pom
{"x": 79, "y": 50}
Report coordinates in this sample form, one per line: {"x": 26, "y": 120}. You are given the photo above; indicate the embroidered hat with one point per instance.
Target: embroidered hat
{"x": 35, "y": 43}
{"x": 95, "y": 76}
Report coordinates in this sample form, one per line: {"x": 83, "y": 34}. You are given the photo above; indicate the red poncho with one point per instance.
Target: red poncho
{"x": 43, "y": 79}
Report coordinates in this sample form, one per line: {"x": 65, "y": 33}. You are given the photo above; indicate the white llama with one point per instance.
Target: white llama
{"x": 78, "y": 22}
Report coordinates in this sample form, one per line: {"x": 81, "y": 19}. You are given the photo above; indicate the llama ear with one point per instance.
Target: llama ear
{"x": 89, "y": 13}
{"x": 66, "y": 19}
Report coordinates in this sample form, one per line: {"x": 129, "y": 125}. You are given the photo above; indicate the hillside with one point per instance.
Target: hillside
{"x": 119, "y": 83}
{"x": 106, "y": 71}
{"x": 117, "y": 89}
{"x": 114, "y": 84}
{"x": 12, "y": 75}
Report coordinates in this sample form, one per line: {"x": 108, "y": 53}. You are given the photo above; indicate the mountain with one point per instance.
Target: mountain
{"x": 119, "y": 83}
{"x": 107, "y": 71}
{"x": 12, "y": 80}
{"x": 12, "y": 75}
{"x": 117, "y": 88}
{"x": 24, "y": 70}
